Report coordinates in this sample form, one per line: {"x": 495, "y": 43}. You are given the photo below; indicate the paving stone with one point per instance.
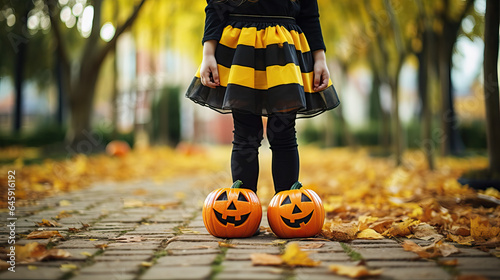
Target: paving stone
{"x": 194, "y": 251}
{"x": 260, "y": 239}
{"x": 490, "y": 274}
{"x": 198, "y": 238}
{"x": 181, "y": 245}
{"x": 79, "y": 244}
{"x": 187, "y": 260}
{"x": 112, "y": 267}
{"x": 244, "y": 254}
{"x": 133, "y": 246}
{"x": 96, "y": 234}
{"x": 118, "y": 276}
{"x": 197, "y": 230}
{"x": 471, "y": 252}
{"x": 330, "y": 256}
{"x": 327, "y": 247}
{"x": 80, "y": 254}
{"x": 249, "y": 276}
{"x": 397, "y": 263}
{"x": 370, "y": 254}
{"x": 128, "y": 252}
{"x": 417, "y": 273}
{"x": 178, "y": 273}
{"x": 156, "y": 228}
{"x": 133, "y": 257}
{"x": 108, "y": 226}
{"x": 123, "y": 219}
{"x": 22, "y": 272}
{"x": 475, "y": 263}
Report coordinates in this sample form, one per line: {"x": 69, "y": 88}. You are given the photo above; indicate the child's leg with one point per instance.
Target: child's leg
{"x": 248, "y": 134}
{"x": 285, "y": 165}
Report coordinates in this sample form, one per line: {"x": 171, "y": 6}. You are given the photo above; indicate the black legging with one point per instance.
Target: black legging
{"x": 248, "y": 134}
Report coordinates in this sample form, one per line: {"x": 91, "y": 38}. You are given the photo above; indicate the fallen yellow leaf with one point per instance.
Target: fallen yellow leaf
{"x": 369, "y": 234}
{"x": 43, "y": 234}
{"x": 293, "y": 256}
{"x": 226, "y": 245}
{"x": 436, "y": 249}
{"x": 266, "y": 259}
{"x": 68, "y": 267}
{"x": 353, "y": 271}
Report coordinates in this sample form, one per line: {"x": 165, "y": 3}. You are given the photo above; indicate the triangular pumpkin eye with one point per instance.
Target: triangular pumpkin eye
{"x": 223, "y": 196}
{"x": 286, "y": 201}
{"x": 241, "y": 197}
{"x": 305, "y": 198}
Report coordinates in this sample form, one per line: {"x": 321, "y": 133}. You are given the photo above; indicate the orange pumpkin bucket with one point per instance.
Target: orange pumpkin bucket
{"x": 297, "y": 212}
{"x": 232, "y": 212}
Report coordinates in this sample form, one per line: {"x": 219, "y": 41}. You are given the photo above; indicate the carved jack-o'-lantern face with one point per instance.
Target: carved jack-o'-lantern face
{"x": 296, "y": 213}
{"x": 232, "y": 212}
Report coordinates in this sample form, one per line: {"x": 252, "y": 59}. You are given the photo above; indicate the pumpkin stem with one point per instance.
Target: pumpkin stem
{"x": 297, "y": 185}
{"x": 237, "y": 184}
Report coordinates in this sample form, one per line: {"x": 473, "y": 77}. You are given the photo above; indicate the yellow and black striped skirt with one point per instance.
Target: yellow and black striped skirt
{"x": 265, "y": 66}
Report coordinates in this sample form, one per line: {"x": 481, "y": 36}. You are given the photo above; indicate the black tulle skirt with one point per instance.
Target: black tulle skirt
{"x": 265, "y": 66}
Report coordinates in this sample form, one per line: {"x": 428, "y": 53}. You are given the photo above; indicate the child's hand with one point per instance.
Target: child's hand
{"x": 321, "y": 73}
{"x": 209, "y": 73}
{"x": 208, "y": 69}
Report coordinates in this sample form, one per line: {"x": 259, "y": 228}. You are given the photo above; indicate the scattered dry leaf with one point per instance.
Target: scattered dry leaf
{"x": 48, "y": 223}
{"x": 85, "y": 253}
{"x": 146, "y": 264}
{"x": 369, "y": 234}
{"x": 353, "y": 271}
{"x": 341, "y": 232}
{"x": 453, "y": 262}
{"x": 43, "y": 234}
{"x": 462, "y": 240}
{"x": 266, "y": 259}
{"x": 482, "y": 230}
{"x": 426, "y": 232}
{"x": 101, "y": 246}
{"x": 33, "y": 252}
{"x": 436, "y": 249}
{"x": 293, "y": 256}
{"x": 128, "y": 239}
{"x": 64, "y": 203}
{"x": 68, "y": 267}
{"x": 403, "y": 228}
{"x": 226, "y": 245}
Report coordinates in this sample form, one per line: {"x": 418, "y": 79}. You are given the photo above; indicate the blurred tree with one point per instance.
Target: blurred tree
{"x": 425, "y": 55}
{"x": 80, "y": 86}
{"x": 491, "y": 93}
{"x": 449, "y": 16}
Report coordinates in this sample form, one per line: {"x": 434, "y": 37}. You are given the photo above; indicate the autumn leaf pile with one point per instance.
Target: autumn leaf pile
{"x": 371, "y": 198}
{"x": 52, "y": 177}
{"x": 364, "y": 197}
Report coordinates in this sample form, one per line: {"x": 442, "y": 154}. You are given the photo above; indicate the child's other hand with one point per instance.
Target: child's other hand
{"x": 321, "y": 73}
{"x": 208, "y": 72}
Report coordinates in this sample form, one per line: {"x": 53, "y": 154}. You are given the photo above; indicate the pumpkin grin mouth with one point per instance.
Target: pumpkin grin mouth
{"x": 232, "y": 219}
{"x": 297, "y": 222}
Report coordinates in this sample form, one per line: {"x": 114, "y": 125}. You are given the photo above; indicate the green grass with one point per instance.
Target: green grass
{"x": 353, "y": 255}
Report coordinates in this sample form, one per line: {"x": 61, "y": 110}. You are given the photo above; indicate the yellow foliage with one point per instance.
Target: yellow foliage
{"x": 294, "y": 256}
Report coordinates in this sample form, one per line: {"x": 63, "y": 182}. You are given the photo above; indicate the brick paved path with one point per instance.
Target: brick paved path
{"x": 175, "y": 244}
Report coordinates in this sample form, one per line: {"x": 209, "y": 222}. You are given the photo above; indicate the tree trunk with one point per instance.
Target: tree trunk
{"x": 451, "y": 142}
{"x": 426, "y": 143}
{"x": 396, "y": 122}
{"x": 20, "y": 60}
{"x": 81, "y": 101}
{"x": 491, "y": 92}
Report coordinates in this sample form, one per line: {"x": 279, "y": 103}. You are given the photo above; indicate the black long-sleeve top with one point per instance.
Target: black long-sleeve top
{"x": 305, "y": 13}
